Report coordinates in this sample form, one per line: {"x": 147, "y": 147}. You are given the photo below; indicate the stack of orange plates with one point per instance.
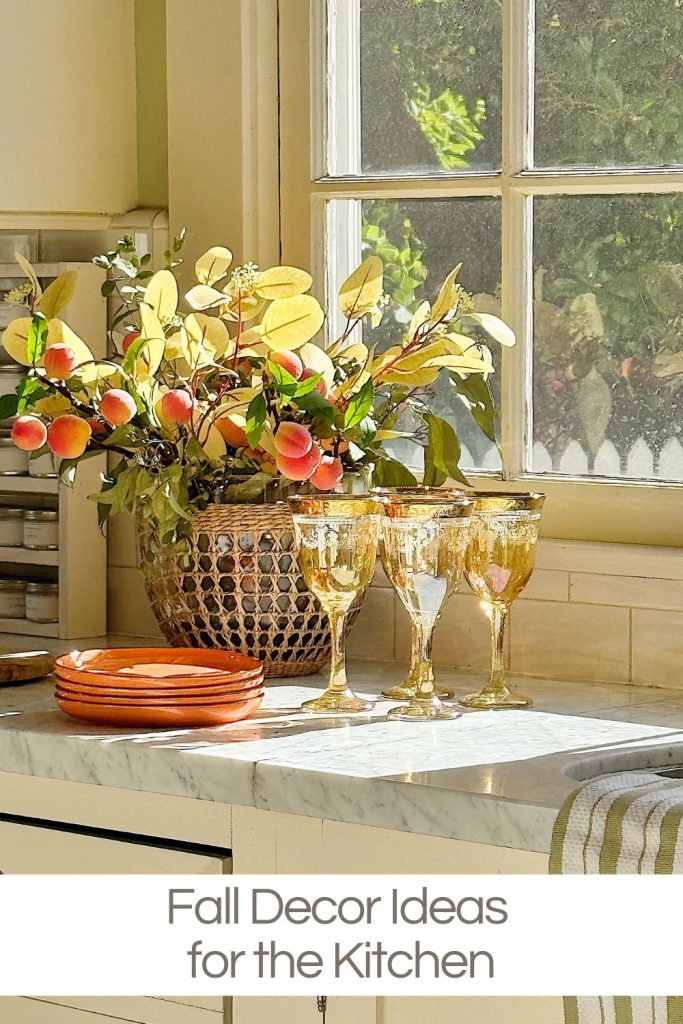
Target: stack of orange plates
{"x": 180, "y": 687}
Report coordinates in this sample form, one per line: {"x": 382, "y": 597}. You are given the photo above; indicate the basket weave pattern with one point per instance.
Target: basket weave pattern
{"x": 239, "y": 589}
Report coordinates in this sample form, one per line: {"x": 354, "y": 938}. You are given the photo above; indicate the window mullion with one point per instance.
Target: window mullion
{"x": 516, "y": 233}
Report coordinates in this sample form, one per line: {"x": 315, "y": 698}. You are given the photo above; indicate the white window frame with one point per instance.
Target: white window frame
{"x": 592, "y": 508}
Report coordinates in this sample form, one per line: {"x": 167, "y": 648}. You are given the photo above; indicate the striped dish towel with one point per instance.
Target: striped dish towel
{"x": 628, "y": 823}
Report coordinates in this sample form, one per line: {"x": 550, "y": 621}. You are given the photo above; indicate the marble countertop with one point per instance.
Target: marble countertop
{"x": 494, "y": 777}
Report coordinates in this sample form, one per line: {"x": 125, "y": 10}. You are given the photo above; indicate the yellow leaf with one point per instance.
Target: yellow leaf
{"x": 53, "y": 406}
{"x": 209, "y": 436}
{"x": 59, "y": 294}
{"x": 15, "y": 339}
{"x": 152, "y": 351}
{"x": 414, "y": 379}
{"x": 357, "y": 353}
{"x": 59, "y": 333}
{"x": 209, "y": 331}
{"x": 494, "y": 326}
{"x": 92, "y": 373}
{"x": 251, "y": 338}
{"x": 282, "y": 283}
{"x": 391, "y": 435}
{"x": 162, "y": 295}
{"x": 174, "y": 345}
{"x": 245, "y": 307}
{"x": 463, "y": 364}
{"x": 240, "y": 397}
{"x": 419, "y": 317}
{"x": 290, "y": 323}
{"x": 204, "y": 297}
{"x": 30, "y": 273}
{"x": 317, "y": 359}
{"x": 363, "y": 289}
{"x": 447, "y": 299}
{"x": 416, "y": 360}
{"x": 213, "y": 265}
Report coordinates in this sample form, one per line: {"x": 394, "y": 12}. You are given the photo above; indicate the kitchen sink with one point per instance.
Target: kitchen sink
{"x": 664, "y": 760}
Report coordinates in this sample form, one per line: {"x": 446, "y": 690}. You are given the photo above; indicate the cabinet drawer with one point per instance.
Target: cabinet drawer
{"x": 145, "y": 1010}
{"x": 30, "y": 847}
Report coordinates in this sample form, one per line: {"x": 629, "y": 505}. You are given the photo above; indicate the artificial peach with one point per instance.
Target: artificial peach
{"x": 289, "y": 361}
{"x": 176, "y": 406}
{"x": 292, "y": 440}
{"x": 59, "y": 362}
{"x": 68, "y": 436}
{"x": 231, "y": 432}
{"x": 117, "y": 407}
{"x": 328, "y": 474}
{"x": 336, "y": 444}
{"x": 29, "y": 433}
{"x": 302, "y": 468}
{"x": 128, "y": 339}
{"x": 321, "y": 386}
{"x": 97, "y": 426}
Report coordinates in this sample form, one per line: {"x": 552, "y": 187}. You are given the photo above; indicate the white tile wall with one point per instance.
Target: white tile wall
{"x": 597, "y": 612}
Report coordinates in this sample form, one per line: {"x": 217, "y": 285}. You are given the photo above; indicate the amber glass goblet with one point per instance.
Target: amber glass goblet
{"x": 498, "y": 565}
{"x": 423, "y": 551}
{"x": 337, "y": 535}
{"x": 407, "y": 689}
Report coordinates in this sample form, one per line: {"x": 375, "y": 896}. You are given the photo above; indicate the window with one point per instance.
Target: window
{"x": 539, "y": 142}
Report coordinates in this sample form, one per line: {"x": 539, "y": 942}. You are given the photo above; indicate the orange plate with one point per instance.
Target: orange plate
{"x": 162, "y": 702}
{"x": 147, "y": 717}
{"x": 159, "y": 663}
{"x": 122, "y": 686}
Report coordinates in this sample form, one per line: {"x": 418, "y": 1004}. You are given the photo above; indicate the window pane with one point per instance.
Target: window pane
{"x": 429, "y": 93}
{"x": 419, "y": 242}
{"x": 608, "y": 336}
{"x": 609, "y": 82}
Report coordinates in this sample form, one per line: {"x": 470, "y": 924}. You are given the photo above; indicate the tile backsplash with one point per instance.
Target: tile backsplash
{"x": 598, "y": 612}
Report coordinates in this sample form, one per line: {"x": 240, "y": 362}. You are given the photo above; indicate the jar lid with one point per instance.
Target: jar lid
{"x": 41, "y": 515}
{"x": 11, "y": 370}
{"x": 9, "y": 584}
{"x": 11, "y": 513}
{"x": 7, "y": 442}
{"x": 42, "y": 587}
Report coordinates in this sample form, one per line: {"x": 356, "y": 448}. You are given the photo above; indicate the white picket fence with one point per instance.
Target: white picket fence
{"x": 640, "y": 463}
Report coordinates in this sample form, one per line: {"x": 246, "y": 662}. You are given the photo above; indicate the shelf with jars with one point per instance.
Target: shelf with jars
{"x": 52, "y": 554}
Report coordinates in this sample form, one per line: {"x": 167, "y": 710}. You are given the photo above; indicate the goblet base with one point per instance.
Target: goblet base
{"x": 407, "y": 690}
{"x": 423, "y": 711}
{"x": 333, "y": 702}
{"x": 496, "y": 700}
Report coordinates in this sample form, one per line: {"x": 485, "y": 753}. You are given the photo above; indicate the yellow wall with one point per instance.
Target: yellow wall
{"x": 152, "y": 106}
{"x": 67, "y": 119}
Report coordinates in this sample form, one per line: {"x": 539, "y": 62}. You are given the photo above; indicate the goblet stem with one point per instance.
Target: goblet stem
{"x": 338, "y": 697}
{"x": 338, "y": 681}
{"x": 407, "y": 689}
{"x": 497, "y": 694}
{"x": 424, "y": 703}
{"x": 498, "y": 614}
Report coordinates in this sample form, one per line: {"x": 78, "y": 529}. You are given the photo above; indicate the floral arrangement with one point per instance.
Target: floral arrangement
{"x": 230, "y": 397}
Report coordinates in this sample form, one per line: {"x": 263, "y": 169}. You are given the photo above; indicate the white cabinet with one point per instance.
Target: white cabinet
{"x": 68, "y": 122}
{"x": 35, "y": 847}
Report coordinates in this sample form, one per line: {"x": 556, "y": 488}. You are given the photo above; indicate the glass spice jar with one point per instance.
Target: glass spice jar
{"x": 42, "y": 602}
{"x": 41, "y": 529}
{"x": 12, "y": 599}
{"x": 13, "y": 461}
{"x": 11, "y": 527}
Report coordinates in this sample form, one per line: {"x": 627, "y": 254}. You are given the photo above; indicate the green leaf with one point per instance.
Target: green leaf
{"x": 318, "y": 406}
{"x": 108, "y": 287}
{"x": 359, "y": 406}
{"x": 29, "y": 391}
{"x": 9, "y": 406}
{"x": 37, "y": 339}
{"x": 289, "y": 386}
{"x": 442, "y": 453}
{"x": 390, "y": 473}
{"x": 256, "y": 419}
{"x": 475, "y": 393}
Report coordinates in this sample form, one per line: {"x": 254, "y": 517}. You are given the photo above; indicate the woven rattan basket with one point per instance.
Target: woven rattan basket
{"x": 239, "y": 588}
